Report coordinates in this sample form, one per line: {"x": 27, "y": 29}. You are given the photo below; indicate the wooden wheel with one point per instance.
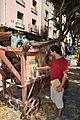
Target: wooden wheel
{"x": 31, "y": 107}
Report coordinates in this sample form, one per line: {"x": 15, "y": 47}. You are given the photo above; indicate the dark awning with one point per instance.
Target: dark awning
{"x": 5, "y": 36}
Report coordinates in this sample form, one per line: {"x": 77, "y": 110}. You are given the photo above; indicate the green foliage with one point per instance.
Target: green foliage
{"x": 76, "y": 52}
{"x": 71, "y": 9}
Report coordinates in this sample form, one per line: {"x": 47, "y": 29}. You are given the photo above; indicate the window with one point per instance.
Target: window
{"x": 19, "y": 22}
{"x": 46, "y": 29}
{"x": 46, "y": 15}
{"x": 33, "y": 22}
{"x": 45, "y": 32}
{"x": 34, "y": 3}
{"x": 47, "y": 2}
{"x": 34, "y": 27}
{"x": 20, "y": 16}
{"x": 34, "y": 7}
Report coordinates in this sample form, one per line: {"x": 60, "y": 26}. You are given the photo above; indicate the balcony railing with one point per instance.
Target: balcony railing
{"x": 20, "y": 24}
{"x": 21, "y": 2}
{"x": 33, "y": 9}
{"x": 33, "y": 28}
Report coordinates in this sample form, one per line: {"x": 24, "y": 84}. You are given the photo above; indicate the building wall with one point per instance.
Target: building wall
{"x": 46, "y": 6}
{"x": 8, "y": 15}
{"x": 9, "y": 10}
{"x": 31, "y": 15}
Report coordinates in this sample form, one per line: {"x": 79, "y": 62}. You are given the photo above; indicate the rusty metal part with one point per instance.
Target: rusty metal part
{"x": 32, "y": 105}
{"x": 26, "y": 46}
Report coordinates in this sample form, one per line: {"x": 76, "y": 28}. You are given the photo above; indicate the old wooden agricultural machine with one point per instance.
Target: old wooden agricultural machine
{"x": 20, "y": 81}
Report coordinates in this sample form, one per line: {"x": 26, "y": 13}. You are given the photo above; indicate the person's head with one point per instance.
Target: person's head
{"x": 55, "y": 50}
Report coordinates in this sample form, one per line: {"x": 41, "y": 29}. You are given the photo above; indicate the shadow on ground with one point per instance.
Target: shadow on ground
{"x": 45, "y": 112}
{"x": 71, "y": 100}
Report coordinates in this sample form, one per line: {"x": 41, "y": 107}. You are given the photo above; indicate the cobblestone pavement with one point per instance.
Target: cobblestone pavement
{"x": 45, "y": 112}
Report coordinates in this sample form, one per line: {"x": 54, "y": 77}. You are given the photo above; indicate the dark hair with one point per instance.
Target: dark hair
{"x": 56, "y": 48}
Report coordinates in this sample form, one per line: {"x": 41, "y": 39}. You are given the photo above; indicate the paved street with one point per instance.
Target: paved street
{"x": 71, "y": 99}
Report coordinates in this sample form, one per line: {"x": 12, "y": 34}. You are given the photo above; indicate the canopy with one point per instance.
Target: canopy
{"x": 5, "y": 36}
